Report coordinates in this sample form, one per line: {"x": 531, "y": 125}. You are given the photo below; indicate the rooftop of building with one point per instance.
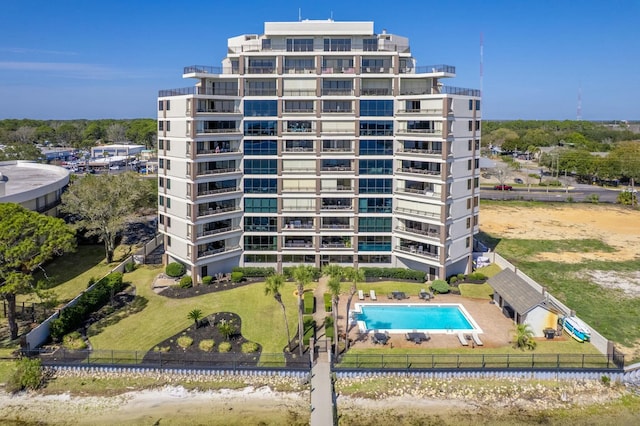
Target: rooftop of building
{"x": 23, "y": 176}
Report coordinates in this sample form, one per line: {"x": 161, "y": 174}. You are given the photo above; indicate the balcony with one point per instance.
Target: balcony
{"x": 437, "y": 152}
{"x": 430, "y": 132}
{"x": 376, "y": 70}
{"x": 205, "y": 69}
{"x": 217, "y": 171}
{"x": 338, "y": 188}
{"x": 417, "y": 250}
{"x": 260, "y": 91}
{"x": 219, "y": 210}
{"x": 219, "y": 250}
{"x": 418, "y": 191}
{"x": 206, "y": 233}
{"x": 299, "y": 92}
{"x": 431, "y": 233}
{"x": 219, "y": 110}
{"x": 419, "y": 171}
{"x": 297, "y": 224}
{"x": 299, "y": 149}
{"x": 373, "y": 91}
{"x": 337, "y": 92}
{"x": 417, "y": 111}
{"x": 299, "y": 111}
{"x": 335, "y": 226}
{"x": 334, "y": 207}
{"x": 217, "y": 151}
{"x": 217, "y": 191}
{"x": 260, "y": 70}
{"x": 298, "y": 70}
{"x": 338, "y": 70}
{"x": 300, "y": 243}
{"x": 217, "y": 131}
{"x": 429, "y": 69}
{"x": 336, "y": 169}
{"x": 417, "y": 212}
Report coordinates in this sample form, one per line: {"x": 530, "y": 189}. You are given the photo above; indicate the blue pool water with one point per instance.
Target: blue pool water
{"x": 413, "y": 317}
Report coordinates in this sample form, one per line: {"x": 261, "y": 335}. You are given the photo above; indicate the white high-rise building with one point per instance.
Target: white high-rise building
{"x": 319, "y": 142}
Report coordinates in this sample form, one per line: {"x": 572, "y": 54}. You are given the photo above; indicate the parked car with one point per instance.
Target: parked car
{"x": 518, "y": 180}
{"x": 114, "y": 167}
{"x": 503, "y": 187}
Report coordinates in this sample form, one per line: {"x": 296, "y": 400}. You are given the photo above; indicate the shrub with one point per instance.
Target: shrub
{"x": 236, "y": 277}
{"x": 593, "y": 198}
{"x": 161, "y": 349}
{"x": 309, "y": 302}
{"x": 28, "y": 375}
{"x": 394, "y": 273}
{"x": 328, "y": 327}
{"x": 224, "y": 347}
{"x": 175, "y": 270}
{"x": 206, "y": 280}
{"x": 74, "y": 341}
{"x": 186, "y": 282}
{"x": 129, "y": 267}
{"x": 327, "y": 302}
{"x": 477, "y": 276}
{"x": 184, "y": 341}
{"x": 440, "y": 286}
{"x": 453, "y": 280}
{"x": 250, "y": 347}
{"x": 252, "y": 271}
{"x": 206, "y": 345}
{"x": 309, "y": 328}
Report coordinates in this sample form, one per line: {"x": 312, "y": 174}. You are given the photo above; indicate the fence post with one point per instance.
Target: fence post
{"x": 582, "y": 360}
{"x": 533, "y": 360}
{"x": 507, "y": 360}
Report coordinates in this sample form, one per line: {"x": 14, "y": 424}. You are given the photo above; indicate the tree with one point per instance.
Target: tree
{"x": 227, "y": 328}
{"x": 272, "y": 287}
{"x": 116, "y": 132}
{"x": 103, "y": 204}
{"x": 334, "y": 289}
{"x": 28, "y": 240}
{"x": 502, "y": 172}
{"x": 302, "y": 276}
{"x": 143, "y": 131}
{"x": 25, "y": 135}
{"x": 93, "y": 132}
{"x": 195, "y": 315}
{"x": 501, "y": 136}
{"x": 45, "y": 133}
{"x": 68, "y": 134}
{"x": 355, "y": 276}
{"x": 523, "y": 338}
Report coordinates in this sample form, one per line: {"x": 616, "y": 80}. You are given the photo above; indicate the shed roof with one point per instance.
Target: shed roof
{"x": 516, "y": 291}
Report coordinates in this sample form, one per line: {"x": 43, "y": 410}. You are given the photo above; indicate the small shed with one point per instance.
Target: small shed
{"x": 523, "y": 303}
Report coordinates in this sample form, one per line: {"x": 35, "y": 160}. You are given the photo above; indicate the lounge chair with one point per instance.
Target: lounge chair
{"x": 463, "y": 339}
{"x": 372, "y": 295}
{"x": 360, "y": 295}
{"x": 476, "y": 339}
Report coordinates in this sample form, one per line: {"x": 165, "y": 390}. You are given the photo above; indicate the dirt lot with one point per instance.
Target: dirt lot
{"x": 618, "y": 227}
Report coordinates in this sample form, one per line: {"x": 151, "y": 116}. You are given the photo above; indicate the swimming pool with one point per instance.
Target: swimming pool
{"x": 403, "y": 318}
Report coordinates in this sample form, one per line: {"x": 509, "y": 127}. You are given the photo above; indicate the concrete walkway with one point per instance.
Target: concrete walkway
{"x": 323, "y": 409}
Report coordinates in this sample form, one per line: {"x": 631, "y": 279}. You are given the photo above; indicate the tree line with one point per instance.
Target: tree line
{"x": 21, "y": 137}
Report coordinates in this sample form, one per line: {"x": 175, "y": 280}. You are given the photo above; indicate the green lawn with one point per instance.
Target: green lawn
{"x": 261, "y": 315}
{"x": 476, "y": 291}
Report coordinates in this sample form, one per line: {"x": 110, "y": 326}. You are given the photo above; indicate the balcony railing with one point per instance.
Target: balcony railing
{"x": 336, "y": 226}
{"x": 260, "y": 70}
{"x": 298, "y": 70}
{"x": 218, "y": 231}
{"x": 336, "y": 169}
{"x": 219, "y": 110}
{"x": 299, "y": 111}
{"x": 292, "y": 225}
{"x": 217, "y": 171}
{"x": 218, "y": 210}
{"x": 429, "y": 69}
{"x": 336, "y": 207}
{"x": 217, "y": 151}
{"x": 419, "y": 171}
{"x": 217, "y": 251}
{"x": 334, "y": 149}
{"x": 299, "y": 130}
{"x": 336, "y": 245}
{"x": 298, "y": 244}
{"x": 259, "y": 92}
{"x": 337, "y": 188}
{"x": 376, "y": 70}
{"x": 337, "y": 92}
{"x": 337, "y": 110}
{"x": 417, "y": 250}
{"x": 420, "y": 131}
{"x": 421, "y": 111}
{"x": 338, "y": 70}
{"x": 299, "y": 149}
{"x": 217, "y": 131}
{"x": 373, "y": 91}
{"x": 432, "y": 233}
{"x": 420, "y": 151}
{"x": 417, "y": 212}
{"x": 303, "y": 92}
{"x": 205, "y": 69}
{"x": 217, "y": 191}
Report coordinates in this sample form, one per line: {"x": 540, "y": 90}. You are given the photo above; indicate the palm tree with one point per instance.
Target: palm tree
{"x": 523, "y": 338}
{"x": 334, "y": 288}
{"x": 302, "y": 276}
{"x": 195, "y": 315}
{"x": 356, "y": 276}
{"x": 272, "y": 286}
{"x": 227, "y": 328}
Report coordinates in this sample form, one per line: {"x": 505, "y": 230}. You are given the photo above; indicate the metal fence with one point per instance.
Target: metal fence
{"x": 168, "y": 360}
{"x": 479, "y": 362}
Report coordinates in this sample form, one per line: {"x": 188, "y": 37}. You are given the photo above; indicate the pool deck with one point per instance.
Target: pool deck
{"x": 497, "y": 329}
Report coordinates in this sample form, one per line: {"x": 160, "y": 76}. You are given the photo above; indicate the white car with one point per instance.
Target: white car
{"x": 114, "y": 167}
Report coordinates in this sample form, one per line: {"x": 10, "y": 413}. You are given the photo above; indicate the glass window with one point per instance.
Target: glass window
{"x": 374, "y": 243}
{"x": 261, "y": 205}
{"x": 260, "y": 108}
{"x": 374, "y": 224}
{"x": 376, "y": 128}
{"x": 375, "y": 186}
{"x": 160, "y": 105}
{"x": 260, "y": 242}
{"x": 266, "y": 44}
{"x": 260, "y": 258}
{"x": 374, "y": 205}
{"x": 336, "y": 106}
{"x": 298, "y": 106}
{"x": 299, "y": 45}
{"x": 376, "y": 147}
{"x": 260, "y": 147}
{"x": 260, "y": 166}
{"x": 376, "y": 108}
{"x": 260, "y": 128}
{"x": 260, "y": 223}
{"x": 260, "y": 186}
{"x": 370, "y": 44}
{"x": 299, "y": 64}
{"x": 337, "y": 44}
{"x": 374, "y": 258}
{"x": 375, "y": 167}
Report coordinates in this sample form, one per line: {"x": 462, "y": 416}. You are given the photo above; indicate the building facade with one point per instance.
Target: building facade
{"x": 319, "y": 142}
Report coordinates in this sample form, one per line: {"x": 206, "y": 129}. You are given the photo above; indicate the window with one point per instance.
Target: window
{"x": 469, "y": 163}
{"x": 168, "y": 183}
{"x": 298, "y": 106}
{"x": 260, "y": 242}
{"x": 260, "y": 224}
{"x": 470, "y": 104}
{"x": 336, "y": 106}
{"x": 468, "y": 203}
{"x": 337, "y": 44}
{"x": 376, "y": 108}
{"x": 260, "y": 128}
{"x": 168, "y": 164}
{"x": 376, "y": 128}
{"x": 161, "y": 200}
{"x": 470, "y": 145}
{"x": 260, "y": 108}
{"x": 260, "y": 186}
{"x": 168, "y": 145}
{"x": 260, "y": 167}
{"x": 468, "y": 224}
{"x": 160, "y": 143}
{"x": 167, "y": 105}
{"x": 258, "y": 147}
{"x": 168, "y": 240}
{"x": 260, "y": 87}
{"x": 374, "y": 205}
{"x": 374, "y": 258}
{"x": 266, "y": 44}
{"x": 477, "y": 124}
{"x": 467, "y": 242}
{"x": 161, "y": 163}
{"x": 261, "y": 65}
{"x": 470, "y": 125}
{"x": 168, "y": 222}
{"x": 477, "y": 144}
{"x": 168, "y": 202}
{"x": 260, "y": 205}
{"x": 261, "y": 258}
{"x": 374, "y": 243}
{"x": 477, "y": 105}
{"x": 477, "y": 163}
{"x": 476, "y": 182}
{"x": 299, "y": 64}
{"x": 160, "y": 105}
{"x": 168, "y": 126}
{"x": 376, "y": 147}
{"x": 468, "y": 183}
{"x": 374, "y": 224}
{"x": 160, "y": 126}
{"x": 299, "y": 45}
{"x": 161, "y": 182}
{"x": 370, "y": 44}
{"x": 413, "y": 106}
{"x": 375, "y": 167}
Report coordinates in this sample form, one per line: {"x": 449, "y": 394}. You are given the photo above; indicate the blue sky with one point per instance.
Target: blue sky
{"x": 108, "y": 59}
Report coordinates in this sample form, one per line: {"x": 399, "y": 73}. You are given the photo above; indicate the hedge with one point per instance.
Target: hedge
{"x": 395, "y": 273}
{"x": 309, "y": 302}
{"x": 328, "y": 327}
{"x": 440, "y": 286}
{"x": 72, "y": 317}
{"x": 253, "y": 272}
{"x": 309, "y": 328}
{"x": 236, "y": 276}
{"x": 328, "y": 306}
{"x": 175, "y": 270}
